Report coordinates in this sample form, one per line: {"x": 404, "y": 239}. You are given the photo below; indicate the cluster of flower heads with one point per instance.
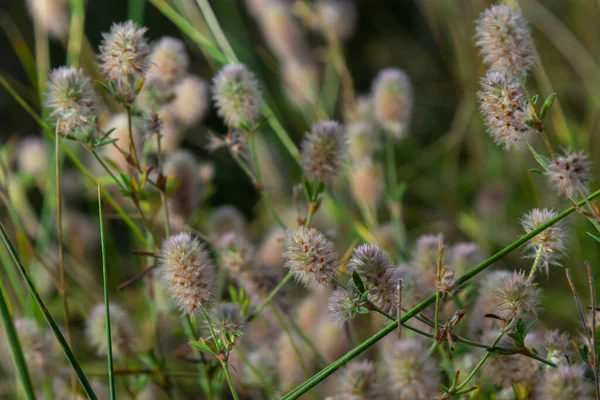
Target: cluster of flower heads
{"x": 505, "y": 43}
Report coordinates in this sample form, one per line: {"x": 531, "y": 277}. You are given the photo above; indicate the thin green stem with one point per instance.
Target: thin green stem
{"x": 390, "y": 159}
{"x": 132, "y": 148}
{"x": 260, "y": 181}
{"x": 271, "y": 295}
{"x": 215, "y": 29}
{"x": 47, "y": 316}
{"x": 64, "y": 290}
{"x": 482, "y": 361}
{"x": 205, "y": 383}
{"x": 255, "y": 370}
{"x": 229, "y": 381}
{"x": 135, "y": 11}
{"x": 15, "y": 347}
{"x": 293, "y": 344}
{"x": 536, "y": 261}
{"x": 111, "y": 370}
{"x": 320, "y": 376}
{"x": 163, "y": 195}
{"x": 76, "y": 33}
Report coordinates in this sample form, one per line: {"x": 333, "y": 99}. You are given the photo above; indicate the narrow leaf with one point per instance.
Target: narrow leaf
{"x": 547, "y": 104}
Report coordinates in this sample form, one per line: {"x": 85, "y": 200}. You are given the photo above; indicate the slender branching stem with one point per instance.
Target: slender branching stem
{"x": 64, "y": 290}
{"x": 111, "y": 370}
{"x": 481, "y": 362}
{"x": 536, "y": 261}
{"x": 594, "y": 344}
{"x": 204, "y": 380}
{"x": 320, "y": 376}
{"x": 270, "y": 296}
{"x": 132, "y": 148}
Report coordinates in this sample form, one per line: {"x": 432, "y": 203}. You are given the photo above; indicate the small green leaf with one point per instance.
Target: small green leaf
{"x": 537, "y": 171}
{"x": 547, "y": 104}
{"x": 534, "y": 99}
{"x": 542, "y": 160}
{"x": 358, "y": 282}
{"x": 364, "y": 296}
{"x": 398, "y": 192}
{"x": 202, "y": 346}
{"x": 594, "y": 236}
{"x": 363, "y": 310}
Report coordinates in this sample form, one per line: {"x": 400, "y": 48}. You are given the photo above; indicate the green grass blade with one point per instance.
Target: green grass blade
{"x": 111, "y": 370}
{"x": 76, "y": 33}
{"x": 15, "y": 347}
{"x": 325, "y": 372}
{"x": 47, "y": 316}
{"x": 135, "y": 11}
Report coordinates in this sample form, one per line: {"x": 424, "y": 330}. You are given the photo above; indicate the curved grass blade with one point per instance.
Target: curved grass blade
{"x": 47, "y": 316}
{"x": 15, "y": 346}
{"x": 111, "y": 369}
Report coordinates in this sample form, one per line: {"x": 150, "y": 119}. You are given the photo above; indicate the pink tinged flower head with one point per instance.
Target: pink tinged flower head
{"x": 191, "y": 101}
{"x": 324, "y": 152}
{"x": 124, "y": 57}
{"x": 237, "y": 95}
{"x": 366, "y": 184}
{"x": 344, "y": 303}
{"x": 517, "y": 296}
{"x": 413, "y": 373}
{"x": 358, "y": 380}
{"x": 570, "y": 174}
{"x": 188, "y": 271}
{"x": 549, "y": 245}
{"x": 122, "y": 332}
{"x": 183, "y": 167}
{"x": 336, "y": 18}
{"x": 504, "y": 40}
{"x": 72, "y": 101}
{"x": 283, "y": 34}
{"x": 310, "y": 256}
{"x": 393, "y": 100}
{"x": 374, "y": 265}
{"x": 505, "y": 109}
{"x": 169, "y": 59}
{"x": 40, "y": 349}
{"x": 566, "y": 382}
{"x": 51, "y": 15}
{"x": 364, "y": 139}
{"x": 227, "y": 318}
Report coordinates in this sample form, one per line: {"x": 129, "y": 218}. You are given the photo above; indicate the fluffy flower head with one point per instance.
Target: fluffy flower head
{"x": 393, "y": 100}
{"x": 169, "y": 59}
{"x": 505, "y": 109}
{"x": 570, "y": 174}
{"x": 550, "y": 243}
{"x": 311, "y": 256}
{"x": 504, "y": 40}
{"x": 518, "y": 297}
{"x": 188, "y": 271}
{"x": 72, "y": 101}
{"x": 358, "y": 380}
{"x": 414, "y": 375}
{"x": 237, "y": 96}
{"x": 375, "y": 267}
{"x": 324, "y": 152}
{"x": 122, "y": 332}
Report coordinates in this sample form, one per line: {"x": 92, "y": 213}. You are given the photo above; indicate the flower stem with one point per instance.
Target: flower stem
{"x": 271, "y": 295}
{"x": 205, "y": 382}
{"x": 481, "y": 362}
{"x": 111, "y": 370}
{"x": 536, "y": 262}
{"x": 324, "y": 373}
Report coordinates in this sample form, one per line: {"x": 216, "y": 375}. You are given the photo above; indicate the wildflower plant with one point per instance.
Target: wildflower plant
{"x": 328, "y": 250}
